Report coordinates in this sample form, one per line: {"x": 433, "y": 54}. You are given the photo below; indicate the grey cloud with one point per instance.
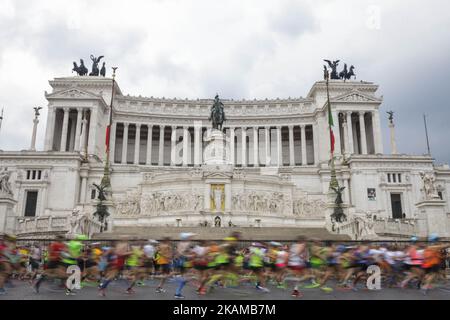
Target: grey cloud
{"x": 293, "y": 19}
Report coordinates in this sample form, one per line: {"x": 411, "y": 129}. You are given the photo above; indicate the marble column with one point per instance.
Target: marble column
{"x": 112, "y": 143}
{"x": 279, "y": 147}
{"x": 232, "y": 137}
{"x": 345, "y": 137}
{"x": 84, "y": 175}
{"x": 244, "y": 146}
{"x": 291, "y": 146}
{"x": 207, "y": 197}
{"x": 33, "y": 135}
{"x": 197, "y": 130}
{"x": 351, "y": 145}
{"x": 137, "y": 143}
{"x": 393, "y": 142}
{"x": 228, "y": 197}
{"x": 255, "y": 147}
{"x": 173, "y": 148}
{"x": 78, "y": 129}
{"x": 161, "y": 146}
{"x": 50, "y": 130}
{"x": 64, "y": 130}
{"x": 303, "y": 133}
{"x": 378, "y": 140}
{"x": 362, "y": 126}
{"x": 267, "y": 146}
{"x": 149, "y": 144}
{"x": 125, "y": 143}
{"x": 84, "y": 124}
{"x": 347, "y": 192}
{"x": 316, "y": 144}
{"x": 185, "y": 146}
{"x": 92, "y": 140}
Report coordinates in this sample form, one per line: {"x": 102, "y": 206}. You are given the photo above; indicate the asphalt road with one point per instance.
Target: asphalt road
{"x": 116, "y": 291}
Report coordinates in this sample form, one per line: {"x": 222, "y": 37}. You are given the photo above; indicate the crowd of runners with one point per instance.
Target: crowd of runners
{"x": 211, "y": 265}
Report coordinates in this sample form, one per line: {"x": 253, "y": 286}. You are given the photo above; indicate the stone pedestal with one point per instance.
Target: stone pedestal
{"x": 433, "y": 218}
{"x": 217, "y": 152}
{"x": 7, "y": 216}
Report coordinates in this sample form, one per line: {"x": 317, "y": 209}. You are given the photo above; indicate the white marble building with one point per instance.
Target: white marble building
{"x": 277, "y": 171}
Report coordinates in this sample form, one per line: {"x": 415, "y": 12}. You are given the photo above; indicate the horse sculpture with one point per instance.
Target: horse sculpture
{"x": 95, "y": 62}
{"x": 347, "y": 74}
{"x": 217, "y": 114}
{"x": 80, "y": 70}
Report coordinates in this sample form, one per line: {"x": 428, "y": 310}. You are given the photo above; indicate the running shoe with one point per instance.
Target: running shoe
{"x": 178, "y": 296}
{"x": 2, "y": 291}
{"x": 313, "y": 285}
{"x": 160, "y": 290}
{"x": 101, "y": 292}
{"x": 326, "y": 289}
{"x": 282, "y": 286}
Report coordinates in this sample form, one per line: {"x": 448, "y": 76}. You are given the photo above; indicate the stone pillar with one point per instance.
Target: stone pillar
{"x": 64, "y": 130}
{"x": 84, "y": 124}
{"x": 50, "y": 130}
{"x": 316, "y": 144}
{"x": 304, "y": 157}
{"x": 393, "y": 142}
{"x": 232, "y": 137}
{"x": 345, "y": 132}
{"x": 337, "y": 134}
{"x": 244, "y": 146}
{"x": 291, "y": 146}
{"x": 432, "y": 214}
{"x": 279, "y": 147}
{"x": 92, "y": 132}
{"x": 185, "y": 146}
{"x": 137, "y": 143}
{"x": 33, "y": 136}
{"x": 7, "y": 204}
{"x": 125, "y": 143}
{"x": 377, "y": 132}
{"x": 267, "y": 146}
{"x": 255, "y": 147}
{"x": 161, "y": 146}
{"x": 78, "y": 129}
{"x": 207, "y": 197}
{"x": 228, "y": 197}
{"x": 149, "y": 145}
{"x": 197, "y": 131}
{"x": 362, "y": 127}
{"x": 346, "y": 191}
{"x": 112, "y": 143}
{"x": 173, "y": 148}
{"x": 351, "y": 145}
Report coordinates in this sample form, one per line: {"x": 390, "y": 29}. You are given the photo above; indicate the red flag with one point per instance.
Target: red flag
{"x": 108, "y": 130}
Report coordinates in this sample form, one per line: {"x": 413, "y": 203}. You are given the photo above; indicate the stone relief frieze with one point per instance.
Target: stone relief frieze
{"x": 305, "y": 208}
{"x": 262, "y": 202}
{"x": 164, "y": 202}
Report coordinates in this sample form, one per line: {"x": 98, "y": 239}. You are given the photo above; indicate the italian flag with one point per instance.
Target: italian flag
{"x": 331, "y": 124}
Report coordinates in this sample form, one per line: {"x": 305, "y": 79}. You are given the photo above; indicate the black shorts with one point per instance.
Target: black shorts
{"x": 90, "y": 264}
{"x": 256, "y": 269}
{"x": 34, "y": 264}
{"x": 165, "y": 268}
{"x": 433, "y": 269}
{"x": 148, "y": 263}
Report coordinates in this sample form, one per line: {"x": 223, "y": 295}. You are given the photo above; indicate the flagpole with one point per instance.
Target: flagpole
{"x": 106, "y": 180}
{"x": 333, "y": 181}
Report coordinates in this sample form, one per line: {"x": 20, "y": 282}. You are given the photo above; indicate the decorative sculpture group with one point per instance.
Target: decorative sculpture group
{"x": 83, "y": 71}
{"x": 429, "y": 187}
{"x": 338, "y": 213}
{"x": 102, "y": 211}
{"x": 345, "y": 74}
{"x": 391, "y": 116}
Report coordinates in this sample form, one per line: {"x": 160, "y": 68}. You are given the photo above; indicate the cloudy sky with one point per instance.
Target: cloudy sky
{"x": 241, "y": 49}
